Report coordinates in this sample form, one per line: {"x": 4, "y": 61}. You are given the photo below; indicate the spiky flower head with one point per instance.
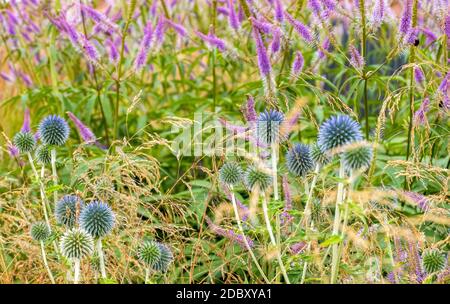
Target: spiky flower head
{"x": 298, "y": 160}
{"x": 43, "y": 154}
{"x": 97, "y": 219}
{"x": 39, "y": 231}
{"x": 165, "y": 259}
{"x": 24, "y": 141}
{"x": 269, "y": 126}
{"x": 357, "y": 158}
{"x": 54, "y": 130}
{"x": 338, "y": 131}
{"x": 149, "y": 252}
{"x": 66, "y": 210}
{"x": 433, "y": 261}
{"x": 76, "y": 244}
{"x": 318, "y": 156}
{"x": 256, "y": 178}
{"x": 230, "y": 173}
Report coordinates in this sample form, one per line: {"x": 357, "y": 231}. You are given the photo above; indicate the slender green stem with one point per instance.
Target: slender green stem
{"x": 364, "y": 55}
{"x": 54, "y": 175}
{"x": 241, "y": 230}
{"x": 41, "y": 190}
{"x": 76, "y": 271}
{"x": 101, "y": 258}
{"x": 272, "y": 238}
{"x": 274, "y": 159}
{"x": 337, "y": 220}
{"x": 147, "y": 274}
{"x": 44, "y": 259}
{"x": 307, "y": 214}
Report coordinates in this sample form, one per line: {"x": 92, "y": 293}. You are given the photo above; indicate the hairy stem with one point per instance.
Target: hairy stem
{"x": 54, "y": 175}
{"x": 275, "y": 171}
{"x": 272, "y": 238}
{"x": 41, "y": 190}
{"x": 364, "y": 51}
{"x": 241, "y": 230}
{"x": 76, "y": 271}
{"x": 101, "y": 258}
{"x": 44, "y": 259}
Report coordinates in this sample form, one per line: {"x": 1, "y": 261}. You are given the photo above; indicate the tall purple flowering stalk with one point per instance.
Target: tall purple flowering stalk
{"x": 144, "y": 48}
{"x": 264, "y": 65}
{"x": 212, "y": 40}
{"x": 420, "y": 200}
{"x": 279, "y": 11}
{"x": 418, "y": 75}
{"x": 276, "y": 40}
{"x": 285, "y": 217}
{"x": 420, "y": 117}
{"x": 416, "y": 272}
{"x": 297, "y": 64}
{"x": 178, "y": 28}
{"x": 378, "y": 13}
{"x": 300, "y": 28}
{"x": 356, "y": 60}
{"x": 85, "y": 132}
{"x": 232, "y": 16}
{"x": 230, "y": 234}
{"x": 26, "y": 122}
{"x": 112, "y": 51}
{"x": 262, "y": 26}
{"x": 405, "y": 21}
{"x": 101, "y": 19}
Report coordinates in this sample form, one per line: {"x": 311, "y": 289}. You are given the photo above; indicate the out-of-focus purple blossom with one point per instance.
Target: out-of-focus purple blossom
{"x": 223, "y": 11}
{"x": 98, "y": 17}
{"x": 89, "y": 49}
{"x": 378, "y": 13}
{"x": 300, "y": 28}
{"x": 276, "y": 40}
{"x": 315, "y": 8}
{"x": 285, "y": 217}
{"x": 158, "y": 34}
{"x": 297, "y": 247}
{"x": 430, "y": 36}
{"x": 420, "y": 116}
{"x": 443, "y": 276}
{"x": 330, "y": 5}
{"x": 447, "y": 25}
{"x": 233, "y": 128}
{"x": 230, "y": 234}
{"x": 213, "y": 41}
{"x": 37, "y": 136}
{"x": 13, "y": 151}
{"x": 26, "y": 121}
{"x": 85, "y": 133}
{"x": 279, "y": 12}
{"x": 412, "y": 35}
{"x": 443, "y": 87}
{"x": 7, "y": 77}
{"x": 418, "y": 75}
{"x": 177, "y": 28}
{"x": 262, "y": 26}
{"x": 26, "y": 79}
{"x": 356, "y": 60}
{"x": 144, "y": 47}
{"x": 391, "y": 278}
{"x": 263, "y": 59}
{"x": 241, "y": 14}
{"x": 250, "y": 112}
{"x": 297, "y": 65}
{"x": 154, "y": 8}
{"x": 112, "y": 51}
{"x": 325, "y": 47}
{"x": 405, "y": 22}
{"x": 421, "y": 200}
{"x": 232, "y": 17}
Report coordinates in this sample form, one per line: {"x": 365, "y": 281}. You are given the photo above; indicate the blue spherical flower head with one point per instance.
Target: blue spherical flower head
{"x": 97, "y": 219}
{"x": 24, "y": 141}
{"x": 40, "y": 231}
{"x": 66, "y": 210}
{"x": 54, "y": 130}
{"x": 268, "y": 126}
{"x": 338, "y": 131}
{"x": 43, "y": 154}
{"x": 256, "y": 178}
{"x": 318, "y": 156}
{"x": 298, "y": 160}
{"x": 433, "y": 261}
{"x": 76, "y": 244}
{"x": 165, "y": 259}
{"x": 149, "y": 252}
{"x": 230, "y": 173}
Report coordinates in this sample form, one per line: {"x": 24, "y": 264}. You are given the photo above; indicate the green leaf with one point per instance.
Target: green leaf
{"x": 334, "y": 239}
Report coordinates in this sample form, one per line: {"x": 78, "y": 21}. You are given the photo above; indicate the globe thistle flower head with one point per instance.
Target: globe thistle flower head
{"x": 318, "y": 156}
{"x": 298, "y": 160}
{"x": 66, "y": 210}
{"x": 76, "y": 244}
{"x": 433, "y": 261}
{"x": 43, "y": 154}
{"x": 338, "y": 131}
{"x": 54, "y": 130}
{"x": 357, "y": 158}
{"x": 149, "y": 253}
{"x": 230, "y": 173}
{"x": 256, "y": 178}
{"x": 269, "y": 126}
{"x": 24, "y": 141}
{"x": 39, "y": 231}
{"x": 165, "y": 259}
{"x": 97, "y": 219}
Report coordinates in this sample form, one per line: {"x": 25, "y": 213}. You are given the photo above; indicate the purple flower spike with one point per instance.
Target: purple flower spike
{"x": 418, "y": 75}
{"x": 262, "y": 26}
{"x": 325, "y": 46}
{"x": 279, "y": 12}
{"x": 378, "y": 13}
{"x": 98, "y": 17}
{"x": 300, "y": 28}
{"x": 298, "y": 247}
{"x": 356, "y": 60}
{"x": 26, "y": 122}
{"x": 112, "y": 51}
{"x": 213, "y": 41}
{"x": 286, "y": 218}
{"x": 144, "y": 48}
{"x": 13, "y": 151}
{"x": 405, "y": 22}
{"x": 420, "y": 116}
{"x": 412, "y": 35}
{"x": 177, "y": 28}
{"x": 297, "y": 65}
{"x": 315, "y": 8}
{"x": 89, "y": 49}
{"x": 250, "y": 112}
{"x": 276, "y": 40}
{"x": 263, "y": 59}
{"x": 232, "y": 17}
{"x": 329, "y": 4}
{"x": 421, "y": 200}
{"x": 230, "y": 234}
{"x": 430, "y": 36}
{"x": 447, "y": 25}
{"x": 86, "y": 134}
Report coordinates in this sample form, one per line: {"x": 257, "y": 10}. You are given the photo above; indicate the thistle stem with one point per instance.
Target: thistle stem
{"x": 272, "y": 238}
{"x": 101, "y": 258}
{"x": 241, "y": 230}
{"x": 307, "y": 214}
{"x": 337, "y": 220}
{"x": 54, "y": 175}
{"x": 147, "y": 274}
{"x": 275, "y": 171}
{"x": 76, "y": 271}
{"x": 364, "y": 51}
{"x": 44, "y": 259}
{"x": 41, "y": 189}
